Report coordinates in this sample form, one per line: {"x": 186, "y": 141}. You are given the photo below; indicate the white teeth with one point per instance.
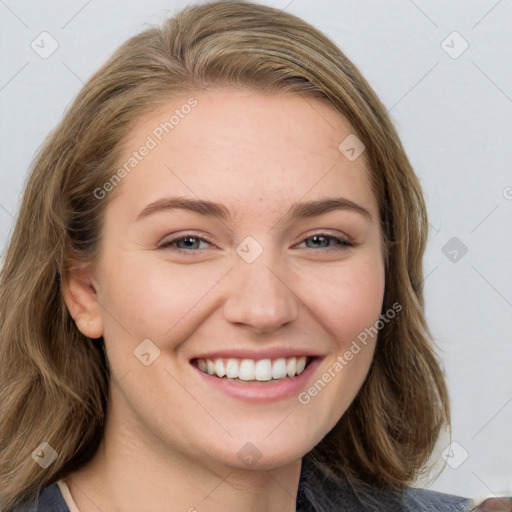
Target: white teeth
{"x": 263, "y": 370}
{"x": 279, "y": 368}
{"x": 291, "y": 366}
{"x": 253, "y": 370}
{"x": 232, "y": 369}
{"x": 220, "y": 371}
{"x": 301, "y": 364}
{"x": 246, "y": 370}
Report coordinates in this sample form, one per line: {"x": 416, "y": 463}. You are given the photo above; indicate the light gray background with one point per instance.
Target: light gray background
{"x": 454, "y": 117}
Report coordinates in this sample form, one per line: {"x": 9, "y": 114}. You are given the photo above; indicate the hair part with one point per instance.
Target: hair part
{"x": 54, "y": 382}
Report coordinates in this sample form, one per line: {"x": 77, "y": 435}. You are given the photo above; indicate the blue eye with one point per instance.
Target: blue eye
{"x": 323, "y": 242}
{"x": 190, "y": 243}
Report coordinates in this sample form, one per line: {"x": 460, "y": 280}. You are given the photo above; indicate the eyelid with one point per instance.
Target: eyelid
{"x": 344, "y": 241}
{"x": 180, "y": 236}
{"x": 327, "y": 233}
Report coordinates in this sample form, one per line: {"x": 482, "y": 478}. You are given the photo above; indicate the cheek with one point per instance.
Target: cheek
{"x": 349, "y": 304}
{"x": 154, "y": 300}
{"x": 349, "y": 299}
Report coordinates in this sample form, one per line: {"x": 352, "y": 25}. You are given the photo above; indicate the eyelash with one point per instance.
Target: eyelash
{"x": 167, "y": 244}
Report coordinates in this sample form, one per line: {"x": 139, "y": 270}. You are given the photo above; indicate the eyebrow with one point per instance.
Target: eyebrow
{"x": 299, "y": 210}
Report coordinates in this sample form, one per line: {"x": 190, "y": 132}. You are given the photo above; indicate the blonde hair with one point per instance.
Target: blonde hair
{"x": 54, "y": 381}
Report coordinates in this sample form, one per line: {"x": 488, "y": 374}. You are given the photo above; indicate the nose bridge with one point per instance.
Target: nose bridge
{"x": 259, "y": 295}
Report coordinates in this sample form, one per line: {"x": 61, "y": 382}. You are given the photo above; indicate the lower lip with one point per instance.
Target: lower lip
{"x": 262, "y": 392}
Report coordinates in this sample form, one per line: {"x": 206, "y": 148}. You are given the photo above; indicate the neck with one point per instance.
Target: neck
{"x": 127, "y": 473}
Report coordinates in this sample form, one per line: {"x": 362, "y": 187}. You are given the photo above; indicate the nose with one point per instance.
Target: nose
{"x": 260, "y": 296}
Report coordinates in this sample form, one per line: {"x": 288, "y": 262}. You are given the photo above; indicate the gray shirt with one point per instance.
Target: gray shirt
{"x": 339, "y": 498}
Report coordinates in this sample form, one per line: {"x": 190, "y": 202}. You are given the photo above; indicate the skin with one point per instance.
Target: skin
{"x": 171, "y": 441}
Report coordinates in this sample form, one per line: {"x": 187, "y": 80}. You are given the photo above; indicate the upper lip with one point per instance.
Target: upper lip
{"x": 268, "y": 353}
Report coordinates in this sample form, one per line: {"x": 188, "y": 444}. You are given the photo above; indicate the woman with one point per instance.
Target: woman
{"x": 212, "y": 299}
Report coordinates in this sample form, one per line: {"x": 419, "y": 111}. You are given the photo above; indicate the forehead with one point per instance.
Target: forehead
{"x": 247, "y": 149}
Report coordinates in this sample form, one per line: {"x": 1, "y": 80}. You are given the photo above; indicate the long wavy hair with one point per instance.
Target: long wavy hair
{"x": 54, "y": 382}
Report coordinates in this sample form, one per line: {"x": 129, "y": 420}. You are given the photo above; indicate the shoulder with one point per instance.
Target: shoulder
{"x": 321, "y": 489}
{"x": 49, "y": 499}
{"x": 423, "y": 500}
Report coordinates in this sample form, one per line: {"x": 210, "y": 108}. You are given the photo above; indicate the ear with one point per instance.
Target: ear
{"x": 81, "y": 301}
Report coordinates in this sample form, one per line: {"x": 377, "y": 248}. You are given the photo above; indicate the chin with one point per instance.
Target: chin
{"x": 265, "y": 454}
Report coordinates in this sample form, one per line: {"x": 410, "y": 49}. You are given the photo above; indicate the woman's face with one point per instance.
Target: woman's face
{"x": 240, "y": 240}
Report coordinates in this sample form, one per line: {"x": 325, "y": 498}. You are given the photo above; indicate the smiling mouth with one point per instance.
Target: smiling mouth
{"x": 253, "y": 370}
